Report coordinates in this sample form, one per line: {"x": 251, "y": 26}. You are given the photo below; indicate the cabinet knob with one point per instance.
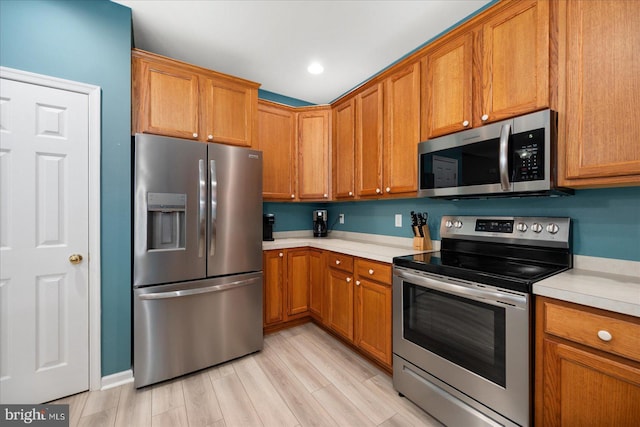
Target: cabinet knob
{"x": 371, "y": 271}
{"x": 337, "y": 262}
{"x": 280, "y": 254}
{"x": 348, "y": 279}
{"x": 484, "y": 117}
{"x": 195, "y": 135}
{"x": 210, "y": 137}
{"x": 465, "y": 123}
{"x": 357, "y": 282}
{"x": 293, "y": 196}
{"x": 388, "y": 189}
{"x": 604, "y": 335}
{"x": 325, "y": 195}
{"x": 350, "y": 193}
{"x": 378, "y": 191}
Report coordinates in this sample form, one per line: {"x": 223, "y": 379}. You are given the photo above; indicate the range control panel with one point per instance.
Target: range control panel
{"x": 534, "y": 231}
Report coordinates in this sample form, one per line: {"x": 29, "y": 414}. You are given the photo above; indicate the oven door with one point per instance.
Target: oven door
{"x": 472, "y": 337}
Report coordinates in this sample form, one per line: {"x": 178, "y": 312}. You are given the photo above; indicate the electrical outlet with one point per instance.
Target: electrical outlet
{"x": 398, "y": 220}
{"x": 341, "y": 218}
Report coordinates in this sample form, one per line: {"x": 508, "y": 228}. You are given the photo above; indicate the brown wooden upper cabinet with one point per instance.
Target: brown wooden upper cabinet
{"x": 173, "y": 98}
{"x": 344, "y": 149}
{"x": 598, "y": 93}
{"x": 369, "y": 141}
{"x": 492, "y": 71}
{"x": 295, "y": 145}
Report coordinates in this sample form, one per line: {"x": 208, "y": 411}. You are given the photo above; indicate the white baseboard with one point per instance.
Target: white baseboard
{"x": 117, "y": 379}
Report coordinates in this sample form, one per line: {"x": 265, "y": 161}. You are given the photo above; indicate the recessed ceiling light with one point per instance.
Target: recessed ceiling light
{"x": 315, "y": 68}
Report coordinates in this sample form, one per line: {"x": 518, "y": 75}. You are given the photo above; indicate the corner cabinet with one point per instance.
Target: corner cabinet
{"x": 587, "y": 366}
{"x": 313, "y": 153}
{"x": 177, "y": 99}
{"x": 598, "y": 87}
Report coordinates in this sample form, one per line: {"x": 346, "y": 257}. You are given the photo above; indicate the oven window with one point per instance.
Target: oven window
{"x": 468, "y": 333}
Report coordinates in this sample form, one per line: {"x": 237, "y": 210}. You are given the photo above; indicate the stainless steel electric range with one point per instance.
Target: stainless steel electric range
{"x": 462, "y": 317}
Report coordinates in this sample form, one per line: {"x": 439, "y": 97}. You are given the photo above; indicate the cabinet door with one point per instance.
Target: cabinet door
{"x": 297, "y": 281}
{"x": 373, "y": 319}
{"x": 168, "y": 100}
{"x": 344, "y": 149}
{"x": 274, "y": 266}
{"x": 316, "y": 283}
{"x": 599, "y": 83}
{"x": 276, "y": 139}
{"x": 229, "y": 111}
{"x": 447, "y": 90}
{"x": 313, "y": 154}
{"x": 402, "y": 131}
{"x": 585, "y": 389}
{"x": 515, "y": 62}
{"x": 369, "y": 142}
{"x": 340, "y": 287}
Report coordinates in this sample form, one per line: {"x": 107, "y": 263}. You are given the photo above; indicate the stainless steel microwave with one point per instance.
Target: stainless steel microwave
{"x": 511, "y": 158}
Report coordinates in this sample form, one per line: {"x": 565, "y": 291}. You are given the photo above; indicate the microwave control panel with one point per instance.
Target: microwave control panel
{"x": 528, "y": 156}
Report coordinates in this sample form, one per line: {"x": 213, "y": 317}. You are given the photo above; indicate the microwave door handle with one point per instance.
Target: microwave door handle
{"x": 202, "y": 206}
{"x": 214, "y": 208}
{"x": 505, "y": 132}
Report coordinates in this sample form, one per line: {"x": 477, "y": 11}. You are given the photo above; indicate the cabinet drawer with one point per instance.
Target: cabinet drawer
{"x": 340, "y": 261}
{"x": 378, "y": 271}
{"x": 594, "y": 329}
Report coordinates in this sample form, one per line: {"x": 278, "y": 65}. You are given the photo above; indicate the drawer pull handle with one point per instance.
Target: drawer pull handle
{"x": 371, "y": 271}
{"x": 604, "y": 335}
{"x": 337, "y": 262}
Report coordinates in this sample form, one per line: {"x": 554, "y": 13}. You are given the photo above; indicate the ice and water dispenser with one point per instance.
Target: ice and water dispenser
{"x": 166, "y": 221}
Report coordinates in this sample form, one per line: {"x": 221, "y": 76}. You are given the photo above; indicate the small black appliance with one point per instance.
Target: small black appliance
{"x": 320, "y": 223}
{"x": 267, "y": 227}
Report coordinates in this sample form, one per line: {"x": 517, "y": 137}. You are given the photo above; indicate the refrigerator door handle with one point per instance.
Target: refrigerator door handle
{"x": 205, "y": 290}
{"x": 202, "y": 207}
{"x": 214, "y": 208}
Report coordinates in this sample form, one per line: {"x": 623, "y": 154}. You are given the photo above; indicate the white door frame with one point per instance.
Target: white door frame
{"x": 93, "y": 94}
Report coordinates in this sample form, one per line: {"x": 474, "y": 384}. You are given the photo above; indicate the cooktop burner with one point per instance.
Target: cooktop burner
{"x": 507, "y": 252}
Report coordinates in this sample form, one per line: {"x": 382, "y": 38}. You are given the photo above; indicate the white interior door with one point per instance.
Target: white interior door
{"x": 44, "y": 323}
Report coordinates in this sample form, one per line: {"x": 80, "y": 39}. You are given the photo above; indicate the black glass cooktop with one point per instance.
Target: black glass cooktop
{"x": 510, "y": 273}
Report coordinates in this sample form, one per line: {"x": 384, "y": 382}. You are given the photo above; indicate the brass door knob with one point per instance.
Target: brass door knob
{"x": 75, "y": 259}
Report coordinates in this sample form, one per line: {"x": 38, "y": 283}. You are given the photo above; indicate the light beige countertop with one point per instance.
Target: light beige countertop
{"x": 370, "y": 246}
{"x": 609, "y": 284}
{"x": 605, "y": 283}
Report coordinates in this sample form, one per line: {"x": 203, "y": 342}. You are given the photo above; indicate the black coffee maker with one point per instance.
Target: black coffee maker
{"x": 320, "y": 223}
{"x": 267, "y": 227}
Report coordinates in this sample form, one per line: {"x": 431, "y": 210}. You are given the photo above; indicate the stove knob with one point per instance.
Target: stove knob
{"x": 553, "y": 228}
{"x": 457, "y": 224}
{"x": 521, "y": 227}
{"x": 448, "y": 223}
{"x": 536, "y": 228}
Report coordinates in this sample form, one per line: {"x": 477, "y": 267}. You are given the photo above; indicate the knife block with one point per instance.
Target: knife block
{"x": 423, "y": 243}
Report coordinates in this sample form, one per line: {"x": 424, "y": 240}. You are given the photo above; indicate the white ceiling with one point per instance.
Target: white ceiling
{"x": 272, "y": 42}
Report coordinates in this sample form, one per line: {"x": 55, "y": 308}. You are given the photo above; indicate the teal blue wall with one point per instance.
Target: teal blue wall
{"x": 282, "y": 99}
{"x": 89, "y": 42}
{"x": 606, "y": 222}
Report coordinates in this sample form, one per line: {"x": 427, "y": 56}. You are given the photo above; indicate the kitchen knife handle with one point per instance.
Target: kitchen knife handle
{"x": 202, "y": 206}
{"x": 214, "y": 207}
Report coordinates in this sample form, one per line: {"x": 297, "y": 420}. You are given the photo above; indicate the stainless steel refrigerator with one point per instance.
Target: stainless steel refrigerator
{"x": 197, "y": 256}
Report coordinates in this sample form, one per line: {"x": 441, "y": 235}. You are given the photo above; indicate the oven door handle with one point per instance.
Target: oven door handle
{"x": 484, "y": 295}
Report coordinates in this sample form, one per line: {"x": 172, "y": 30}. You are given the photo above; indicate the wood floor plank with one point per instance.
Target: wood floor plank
{"x": 174, "y": 417}
{"x": 200, "y": 400}
{"x": 104, "y": 418}
{"x": 303, "y": 370}
{"x": 134, "y": 408}
{"x": 220, "y": 371}
{"x": 76, "y": 404}
{"x": 166, "y": 396}
{"x": 101, "y": 400}
{"x": 301, "y": 402}
{"x": 271, "y": 409}
{"x": 340, "y": 408}
{"x": 376, "y": 409}
{"x": 235, "y": 404}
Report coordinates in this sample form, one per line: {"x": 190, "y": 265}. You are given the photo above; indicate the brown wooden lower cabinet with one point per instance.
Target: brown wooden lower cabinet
{"x": 583, "y": 377}
{"x": 346, "y": 295}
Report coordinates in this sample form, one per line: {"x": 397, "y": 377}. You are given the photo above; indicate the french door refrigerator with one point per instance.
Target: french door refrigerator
{"x": 197, "y": 256}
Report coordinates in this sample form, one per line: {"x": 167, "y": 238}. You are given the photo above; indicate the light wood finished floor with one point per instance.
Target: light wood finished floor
{"x": 303, "y": 377}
